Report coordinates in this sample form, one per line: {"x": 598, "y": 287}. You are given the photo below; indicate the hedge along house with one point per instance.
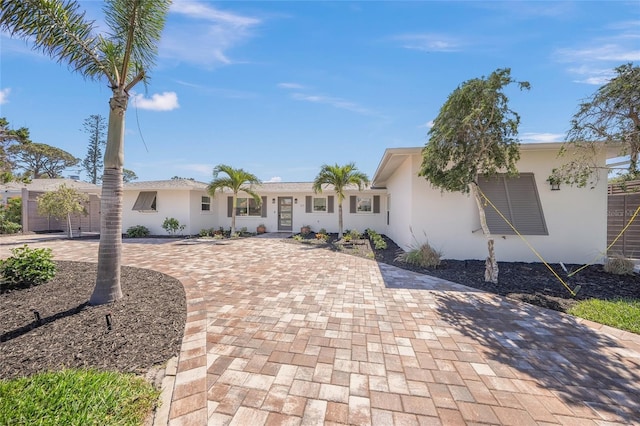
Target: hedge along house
{"x": 34, "y": 222}
{"x": 285, "y": 207}
{"x": 566, "y": 225}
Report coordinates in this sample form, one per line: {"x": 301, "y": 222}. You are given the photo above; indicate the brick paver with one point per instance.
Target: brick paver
{"x": 281, "y": 333}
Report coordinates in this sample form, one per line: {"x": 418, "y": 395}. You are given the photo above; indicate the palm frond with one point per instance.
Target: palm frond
{"x": 58, "y": 29}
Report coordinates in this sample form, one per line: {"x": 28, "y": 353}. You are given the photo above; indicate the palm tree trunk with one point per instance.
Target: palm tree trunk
{"x": 491, "y": 268}
{"x": 339, "y": 219}
{"x": 69, "y": 231}
{"x": 233, "y": 215}
{"x": 107, "y": 287}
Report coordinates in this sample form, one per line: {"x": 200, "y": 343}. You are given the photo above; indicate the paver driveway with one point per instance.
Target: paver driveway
{"x": 279, "y": 333}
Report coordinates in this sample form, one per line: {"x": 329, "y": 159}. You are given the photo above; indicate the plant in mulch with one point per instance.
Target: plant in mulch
{"x": 172, "y": 225}
{"x": 619, "y": 265}
{"x": 423, "y": 255}
{"x": 27, "y": 267}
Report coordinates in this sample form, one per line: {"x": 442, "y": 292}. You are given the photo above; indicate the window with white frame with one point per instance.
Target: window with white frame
{"x": 319, "y": 204}
{"x": 363, "y": 205}
{"x": 247, "y": 207}
{"x": 205, "y": 204}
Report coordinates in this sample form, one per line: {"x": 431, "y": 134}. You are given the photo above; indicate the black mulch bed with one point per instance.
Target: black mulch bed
{"x": 528, "y": 282}
{"x": 147, "y": 323}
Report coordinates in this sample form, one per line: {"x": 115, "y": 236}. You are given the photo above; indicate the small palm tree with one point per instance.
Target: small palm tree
{"x": 122, "y": 57}
{"x": 340, "y": 177}
{"x": 236, "y": 180}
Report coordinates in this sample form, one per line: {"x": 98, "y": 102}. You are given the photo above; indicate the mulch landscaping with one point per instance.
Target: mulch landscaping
{"x": 147, "y": 324}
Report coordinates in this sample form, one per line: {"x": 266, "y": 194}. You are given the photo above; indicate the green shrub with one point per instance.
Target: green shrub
{"x": 347, "y": 237}
{"x": 138, "y": 231}
{"x": 424, "y": 256}
{"x": 28, "y": 267}
{"x": 172, "y": 225}
{"x": 355, "y": 235}
{"x": 205, "y": 233}
{"x": 7, "y": 227}
{"x": 322, "y": 231}
{"x": 379, "y": 243}
{"x": 619, "y": 265}
{"x": 298, "y": 237}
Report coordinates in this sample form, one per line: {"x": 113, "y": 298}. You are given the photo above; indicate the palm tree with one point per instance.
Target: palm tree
{"x": 122, "y": 57}
{"x": 340, "y": 177}
{"x": 236, "y": 180}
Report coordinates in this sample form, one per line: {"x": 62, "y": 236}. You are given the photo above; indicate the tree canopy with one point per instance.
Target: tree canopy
{"x": 339, "y": 177}
{"x": 609, "y": 117}
{"x": 8, "y": 138}
{"x": 41, "y": 160}
{"x": 62, "y": 203}
{"x": 474, "y": 133}
{"x": 95, "y": 126}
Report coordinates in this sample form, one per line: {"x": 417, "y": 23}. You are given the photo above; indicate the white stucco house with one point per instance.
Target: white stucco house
{"x": 566, "y": 225}
{"x": 286, "y": 207}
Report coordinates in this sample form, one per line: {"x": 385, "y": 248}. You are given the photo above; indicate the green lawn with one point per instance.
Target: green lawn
{"x": 76, "y": 397}
{"x": 621, "y": 313}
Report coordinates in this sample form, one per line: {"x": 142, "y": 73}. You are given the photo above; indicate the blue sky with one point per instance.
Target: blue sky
{"x": 280, "y": 88}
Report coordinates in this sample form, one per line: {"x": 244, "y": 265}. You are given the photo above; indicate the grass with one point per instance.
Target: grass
{"x": 76, "y": 397}
{"x": 620, "y": 313}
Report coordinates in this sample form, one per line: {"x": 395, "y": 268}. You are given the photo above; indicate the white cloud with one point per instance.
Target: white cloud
{"x": 542, "y": 137}
{"x": 274, "y": 179}
{"x": 205, "y": 35}
{"x": 334, "y": 102}
{"x": 606, "y": 52}
{"x": 429, "y": 42}
{"x": 427, "y": 125}
{"x": 202, "y": 169}
{"x": 4, "y": 95}
{"x": 166, "y": 101}
{"x": 295, "y": 86}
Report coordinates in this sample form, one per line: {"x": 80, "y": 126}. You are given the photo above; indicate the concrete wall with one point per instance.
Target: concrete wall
{"x": 169, "y": 203}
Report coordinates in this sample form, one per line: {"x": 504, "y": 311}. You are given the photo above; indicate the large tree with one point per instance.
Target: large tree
{"x": 39, "y": 160}
{"x": 62, "y": 203}
{"x": 128, "y": 175}
{"x": 237, "y": 180}
{"x": 95, "y": 126}
{"x": 8, "y": 138}
{"x": 611, "y": 115}
{"x": 474, "y": 134}
{"x": 122, "y": 57}
{"x": 339, "y": 177}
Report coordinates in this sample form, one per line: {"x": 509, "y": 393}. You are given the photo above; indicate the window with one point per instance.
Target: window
{"x": 517, "y": 199}
{"x": 364, "y": 204}
{"x": 146, "y": 201}
{"x": 319, "y": 204}
{"x": 247, "y": 207}
{"x": 205, "y": 205}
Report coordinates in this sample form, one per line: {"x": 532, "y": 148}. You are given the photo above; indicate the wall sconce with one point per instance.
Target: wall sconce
{"x": 295, "y": 201}
{"x": 273, "y": 201}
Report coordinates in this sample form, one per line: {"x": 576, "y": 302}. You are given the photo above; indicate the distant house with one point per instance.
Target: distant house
{"x": 566, "y": 225}
{"x": 33, "y": 222}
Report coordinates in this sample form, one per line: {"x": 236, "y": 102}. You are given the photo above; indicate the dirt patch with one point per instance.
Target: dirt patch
{"x": 147, "y": 324}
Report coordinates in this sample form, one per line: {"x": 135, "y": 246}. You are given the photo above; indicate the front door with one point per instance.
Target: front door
{"x": 285, "y": 213}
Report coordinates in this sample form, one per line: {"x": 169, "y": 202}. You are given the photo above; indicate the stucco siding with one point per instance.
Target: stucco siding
{"x": 401, "y": 209}
{"x": 575, "y": 219}
{"x": 201, "y": 219}
{"x": 169, "y": 203}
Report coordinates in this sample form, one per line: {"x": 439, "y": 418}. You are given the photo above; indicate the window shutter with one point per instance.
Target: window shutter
{"x": 308, "y": 204}
{"x": 330, "y": 204}
{"x": 517, "y": 199}
{"x": 264, "y": 207}
{"x": 376, "y": 204}
{"x": 229, "y": 206}
{"x": 145, "y": 201}
{"x": 352, "y": 204}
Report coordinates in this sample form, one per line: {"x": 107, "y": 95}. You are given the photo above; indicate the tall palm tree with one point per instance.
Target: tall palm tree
{"x": 236, "y": 180}
{"x": 340, "y": 177}
{"x": 122, "y": 58}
